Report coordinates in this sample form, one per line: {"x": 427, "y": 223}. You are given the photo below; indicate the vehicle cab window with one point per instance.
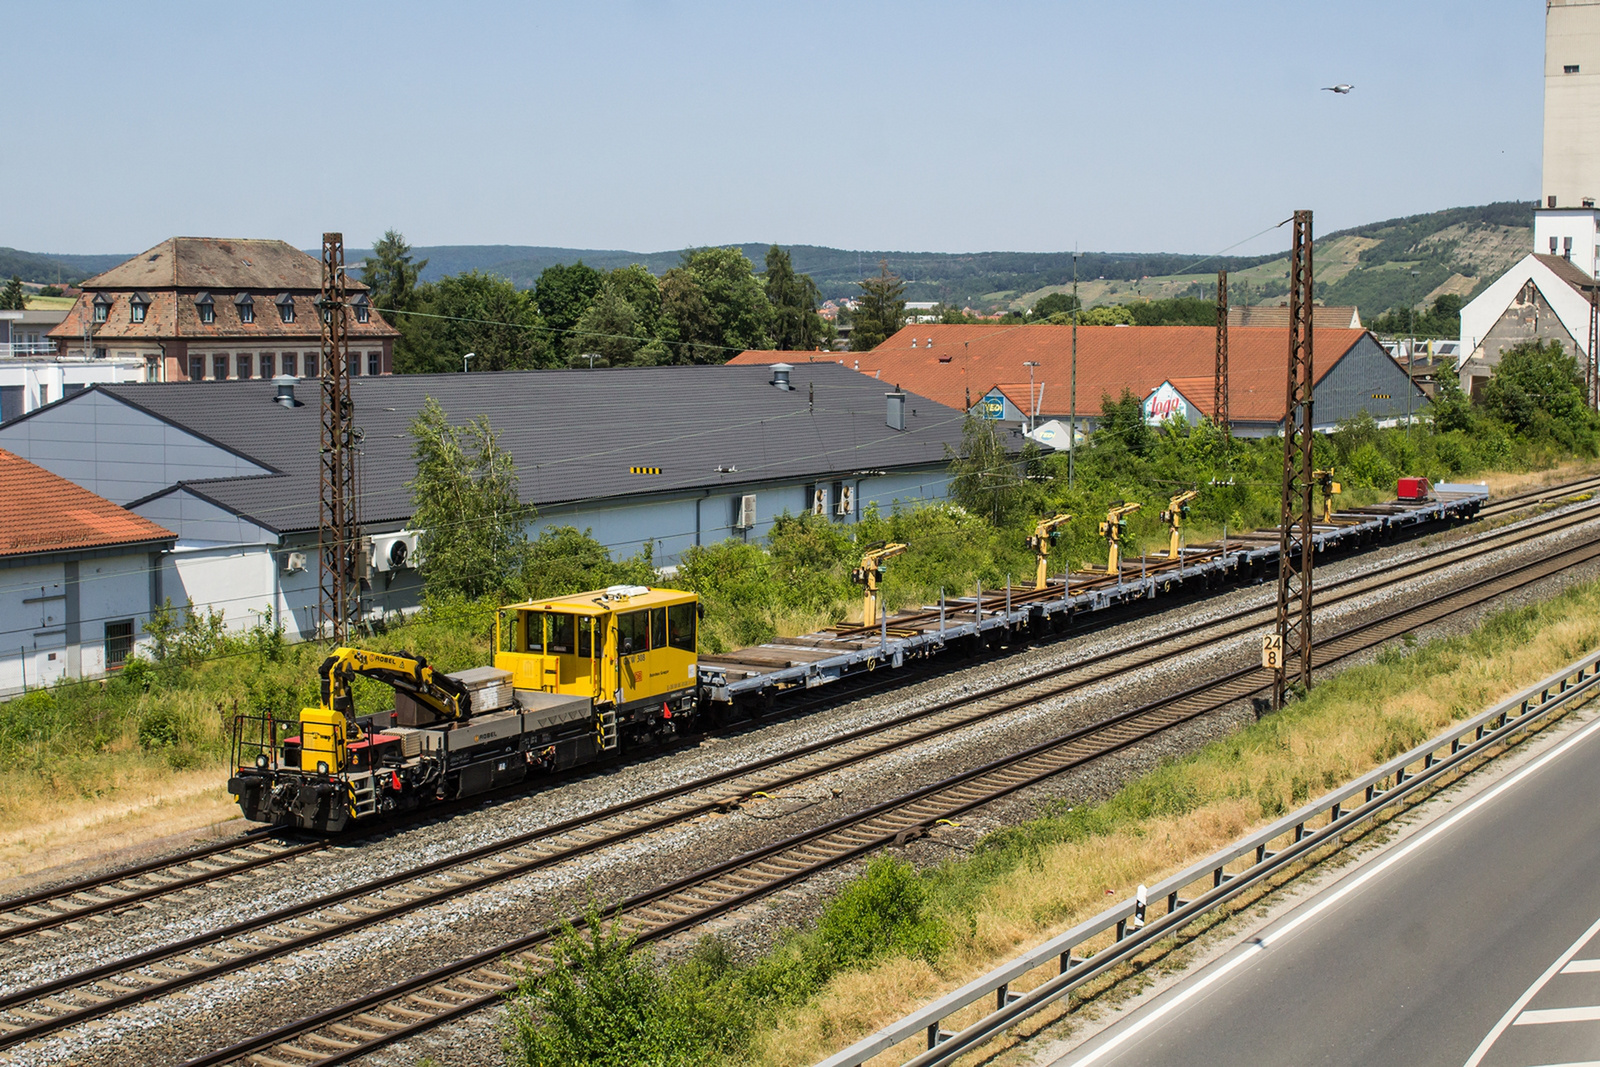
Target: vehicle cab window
{"x": 535, "y": 631}
{"x": 562, "y": 634}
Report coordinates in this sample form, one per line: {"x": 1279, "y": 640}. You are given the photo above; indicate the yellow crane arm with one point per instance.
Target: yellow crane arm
{"x": 1043, "y": 535}
{"x": 867, "y": 576}
{"x": 403, "y": 671}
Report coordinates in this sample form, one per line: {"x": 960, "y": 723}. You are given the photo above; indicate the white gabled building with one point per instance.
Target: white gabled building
{"x": 1541, "y": 298}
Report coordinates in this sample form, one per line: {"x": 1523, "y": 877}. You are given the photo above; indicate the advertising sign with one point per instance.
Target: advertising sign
{"x": 1166, "y": 404}
{"x": 992, "y": 406}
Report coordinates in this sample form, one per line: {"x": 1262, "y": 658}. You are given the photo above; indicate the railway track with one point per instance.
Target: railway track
{"x": 44, "y": 1009}
{"x": 416, "y": 1005}
{"x": 128, "y": 887}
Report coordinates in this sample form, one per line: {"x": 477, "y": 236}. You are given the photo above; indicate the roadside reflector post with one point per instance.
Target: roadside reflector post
{"x": 1140, "y": 902}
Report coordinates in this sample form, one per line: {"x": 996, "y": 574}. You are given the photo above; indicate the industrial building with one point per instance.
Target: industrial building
{"x": 78, "y": 578}
{"x": 668, "y": 457}
{"x": 1025, "y": 373}
{"x": 1546, "y": 295}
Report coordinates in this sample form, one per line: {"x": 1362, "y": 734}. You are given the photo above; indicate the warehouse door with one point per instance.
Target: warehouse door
{"x": 50, "y": 661}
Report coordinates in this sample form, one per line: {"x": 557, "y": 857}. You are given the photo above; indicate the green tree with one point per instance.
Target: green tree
{"x": 1055, "y": 304}
{"x": 488, "y": 316}
{"x": 392, "y": 276}
{"x": 562, "y": 293}
{"x": 880, "y": 311}
{"x": 1122, "y": 424}
{"x": 984, "y": 477}
{"x": 609, "y": 328}
{"x": 1451, "y": 407}
{"x": 1106, "y": 315}
{"x": 641, "y": 289}
{"x": 11, "y": 297}
{"x": 464, "y": 500}
{"x": 1538, "y": 390}
{"x": 712, "y": 307}
{"x": 796, "y": 326}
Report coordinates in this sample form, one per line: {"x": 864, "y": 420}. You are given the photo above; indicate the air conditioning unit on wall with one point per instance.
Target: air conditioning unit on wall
{"x": 744, "y": 516}
{"x": 847, "y": 500}
{"x": 395, "y": 552}
{"x": 293, "y": 562}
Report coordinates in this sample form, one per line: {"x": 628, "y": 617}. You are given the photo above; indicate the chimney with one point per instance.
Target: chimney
{"x": 780, "y": 376}
{"x": 896, "y": 416}
{"x": 1566, "y": 247}
{"x": 1550, "y": 201}
{"x": 285, "y": 397}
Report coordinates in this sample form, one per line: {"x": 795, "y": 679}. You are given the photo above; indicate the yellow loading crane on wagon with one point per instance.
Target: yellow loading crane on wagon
{"x": 1044, "y": 535}
{"x": 1330, "y": 489}
{"x": 1177, "y": 511}
{"x": 1113, "y": 529}
{"x": 872, "y": 568}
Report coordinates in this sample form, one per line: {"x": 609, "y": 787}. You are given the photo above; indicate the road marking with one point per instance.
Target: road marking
{"x": 1585, "y": 1063}
{"x": 1516, "y": 1009}
{"x": 1167, "y": 1005}
{"x": 1559, "y": 1015}
{"x": 1581, "y": 967}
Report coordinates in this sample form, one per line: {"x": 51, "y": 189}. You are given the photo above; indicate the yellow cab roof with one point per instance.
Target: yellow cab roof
{"x": 601, "y": 601}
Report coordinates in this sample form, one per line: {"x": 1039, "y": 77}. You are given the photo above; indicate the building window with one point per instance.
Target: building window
{"x": 207, "y": 308}
{"x": 355, "y": 366}
{"x": 219, "y": 368}
{"x": 286, "y": 307}
{"x": 362, "y": 307}
{"x": 119, "y": 643}
{"x": 374, "y": 364}
{"x": 311, "y": 365}
{"x": 244, "y": 364}
{"x": 152, "y": 368}
{"x": 136, "y": 311}
{"x": 102, "y": 307}
{"x": 246, "y": 306}
{"x": 1570, "y": 68}
{"x": 197, "y": 368}
{"x": 266, "y": 364}
{"x": 288, "y": 363}
{"x": 327, "y": 312}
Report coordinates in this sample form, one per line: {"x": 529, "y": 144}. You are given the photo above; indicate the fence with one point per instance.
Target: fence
{"x": 1133, "y": 930}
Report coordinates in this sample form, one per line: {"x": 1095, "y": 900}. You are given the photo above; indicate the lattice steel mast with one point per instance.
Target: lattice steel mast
{"x": 1295, "y": 529}
{"x": 1219, "y": 398}
{"x": 339, "y": 531}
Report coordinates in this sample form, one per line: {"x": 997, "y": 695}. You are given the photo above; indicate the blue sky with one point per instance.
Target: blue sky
{"x": 1156, "y": 126}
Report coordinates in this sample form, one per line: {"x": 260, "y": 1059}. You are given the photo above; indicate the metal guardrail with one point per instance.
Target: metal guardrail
{"x": 1133, "y": 930}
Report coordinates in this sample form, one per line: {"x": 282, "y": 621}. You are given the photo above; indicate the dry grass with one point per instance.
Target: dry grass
{"x": 152, "y": 802}
{"x": 1226, "y": 790}
{"x": 1504, "y": 484}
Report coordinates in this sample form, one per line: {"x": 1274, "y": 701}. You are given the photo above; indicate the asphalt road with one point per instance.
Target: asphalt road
{"x": 1473, "y": 941}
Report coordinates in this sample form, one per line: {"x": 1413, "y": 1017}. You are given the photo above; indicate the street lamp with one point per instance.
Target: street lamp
{"x": 469, "y": 355}
{"x": 1033, "y": 405}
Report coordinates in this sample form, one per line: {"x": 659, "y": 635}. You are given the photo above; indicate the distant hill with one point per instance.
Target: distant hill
{"x": 53, "y": 269}
{"x": 1457, "y": 250}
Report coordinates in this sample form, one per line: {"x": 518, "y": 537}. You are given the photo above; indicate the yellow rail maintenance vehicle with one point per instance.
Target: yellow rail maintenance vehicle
{"x": 574, "y": 678}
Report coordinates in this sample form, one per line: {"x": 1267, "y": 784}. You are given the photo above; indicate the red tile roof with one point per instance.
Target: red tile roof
{"x": 41, "y": 512}
{"x": 957, "y": 365}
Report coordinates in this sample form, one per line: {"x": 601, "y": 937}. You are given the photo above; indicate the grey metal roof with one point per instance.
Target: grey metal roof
{"x": 573, "y": 433}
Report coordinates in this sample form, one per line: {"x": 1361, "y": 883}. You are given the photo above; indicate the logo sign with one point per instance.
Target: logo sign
{"x": 992, "y": 406}
{"x": 1166, "y": 404}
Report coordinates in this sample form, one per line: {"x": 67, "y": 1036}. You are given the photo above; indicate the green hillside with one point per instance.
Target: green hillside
{"x": 1394, "y": 263}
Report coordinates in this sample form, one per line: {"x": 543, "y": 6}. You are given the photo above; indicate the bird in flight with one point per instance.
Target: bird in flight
{"x": 1342, "y": 89}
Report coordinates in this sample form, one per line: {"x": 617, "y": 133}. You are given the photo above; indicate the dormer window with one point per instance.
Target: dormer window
{"x": 327, "y": 312}
{"x": 137, "y": 305}
{"x": 102, "y": 307}
{"x": 207, "y": 308}
{"x": 246, "y": 306}
{"x": 363, "y": 308}
{"x": 285, "y": 304}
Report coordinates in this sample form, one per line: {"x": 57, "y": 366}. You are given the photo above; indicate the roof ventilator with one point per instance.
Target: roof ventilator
{"x": 285, "y": 397}
{"x": 780, "y": 376}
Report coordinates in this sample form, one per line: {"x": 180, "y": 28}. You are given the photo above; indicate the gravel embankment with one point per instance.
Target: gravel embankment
{"x": 243, "y": 1003}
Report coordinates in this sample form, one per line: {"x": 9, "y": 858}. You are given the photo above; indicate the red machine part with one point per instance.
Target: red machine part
{"x": 1414, "y": 489}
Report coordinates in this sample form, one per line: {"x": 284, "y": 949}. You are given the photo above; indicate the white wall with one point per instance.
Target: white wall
{"x": 42, "y": 609}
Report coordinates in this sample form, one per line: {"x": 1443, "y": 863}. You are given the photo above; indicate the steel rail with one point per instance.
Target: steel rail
{"x": 1371, "y": 794}
{"x": 83, "y": 898}
{"x": 210, "y": 957}
{"x": 79, "y": 900}
{"x": 418, "y": 1004}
